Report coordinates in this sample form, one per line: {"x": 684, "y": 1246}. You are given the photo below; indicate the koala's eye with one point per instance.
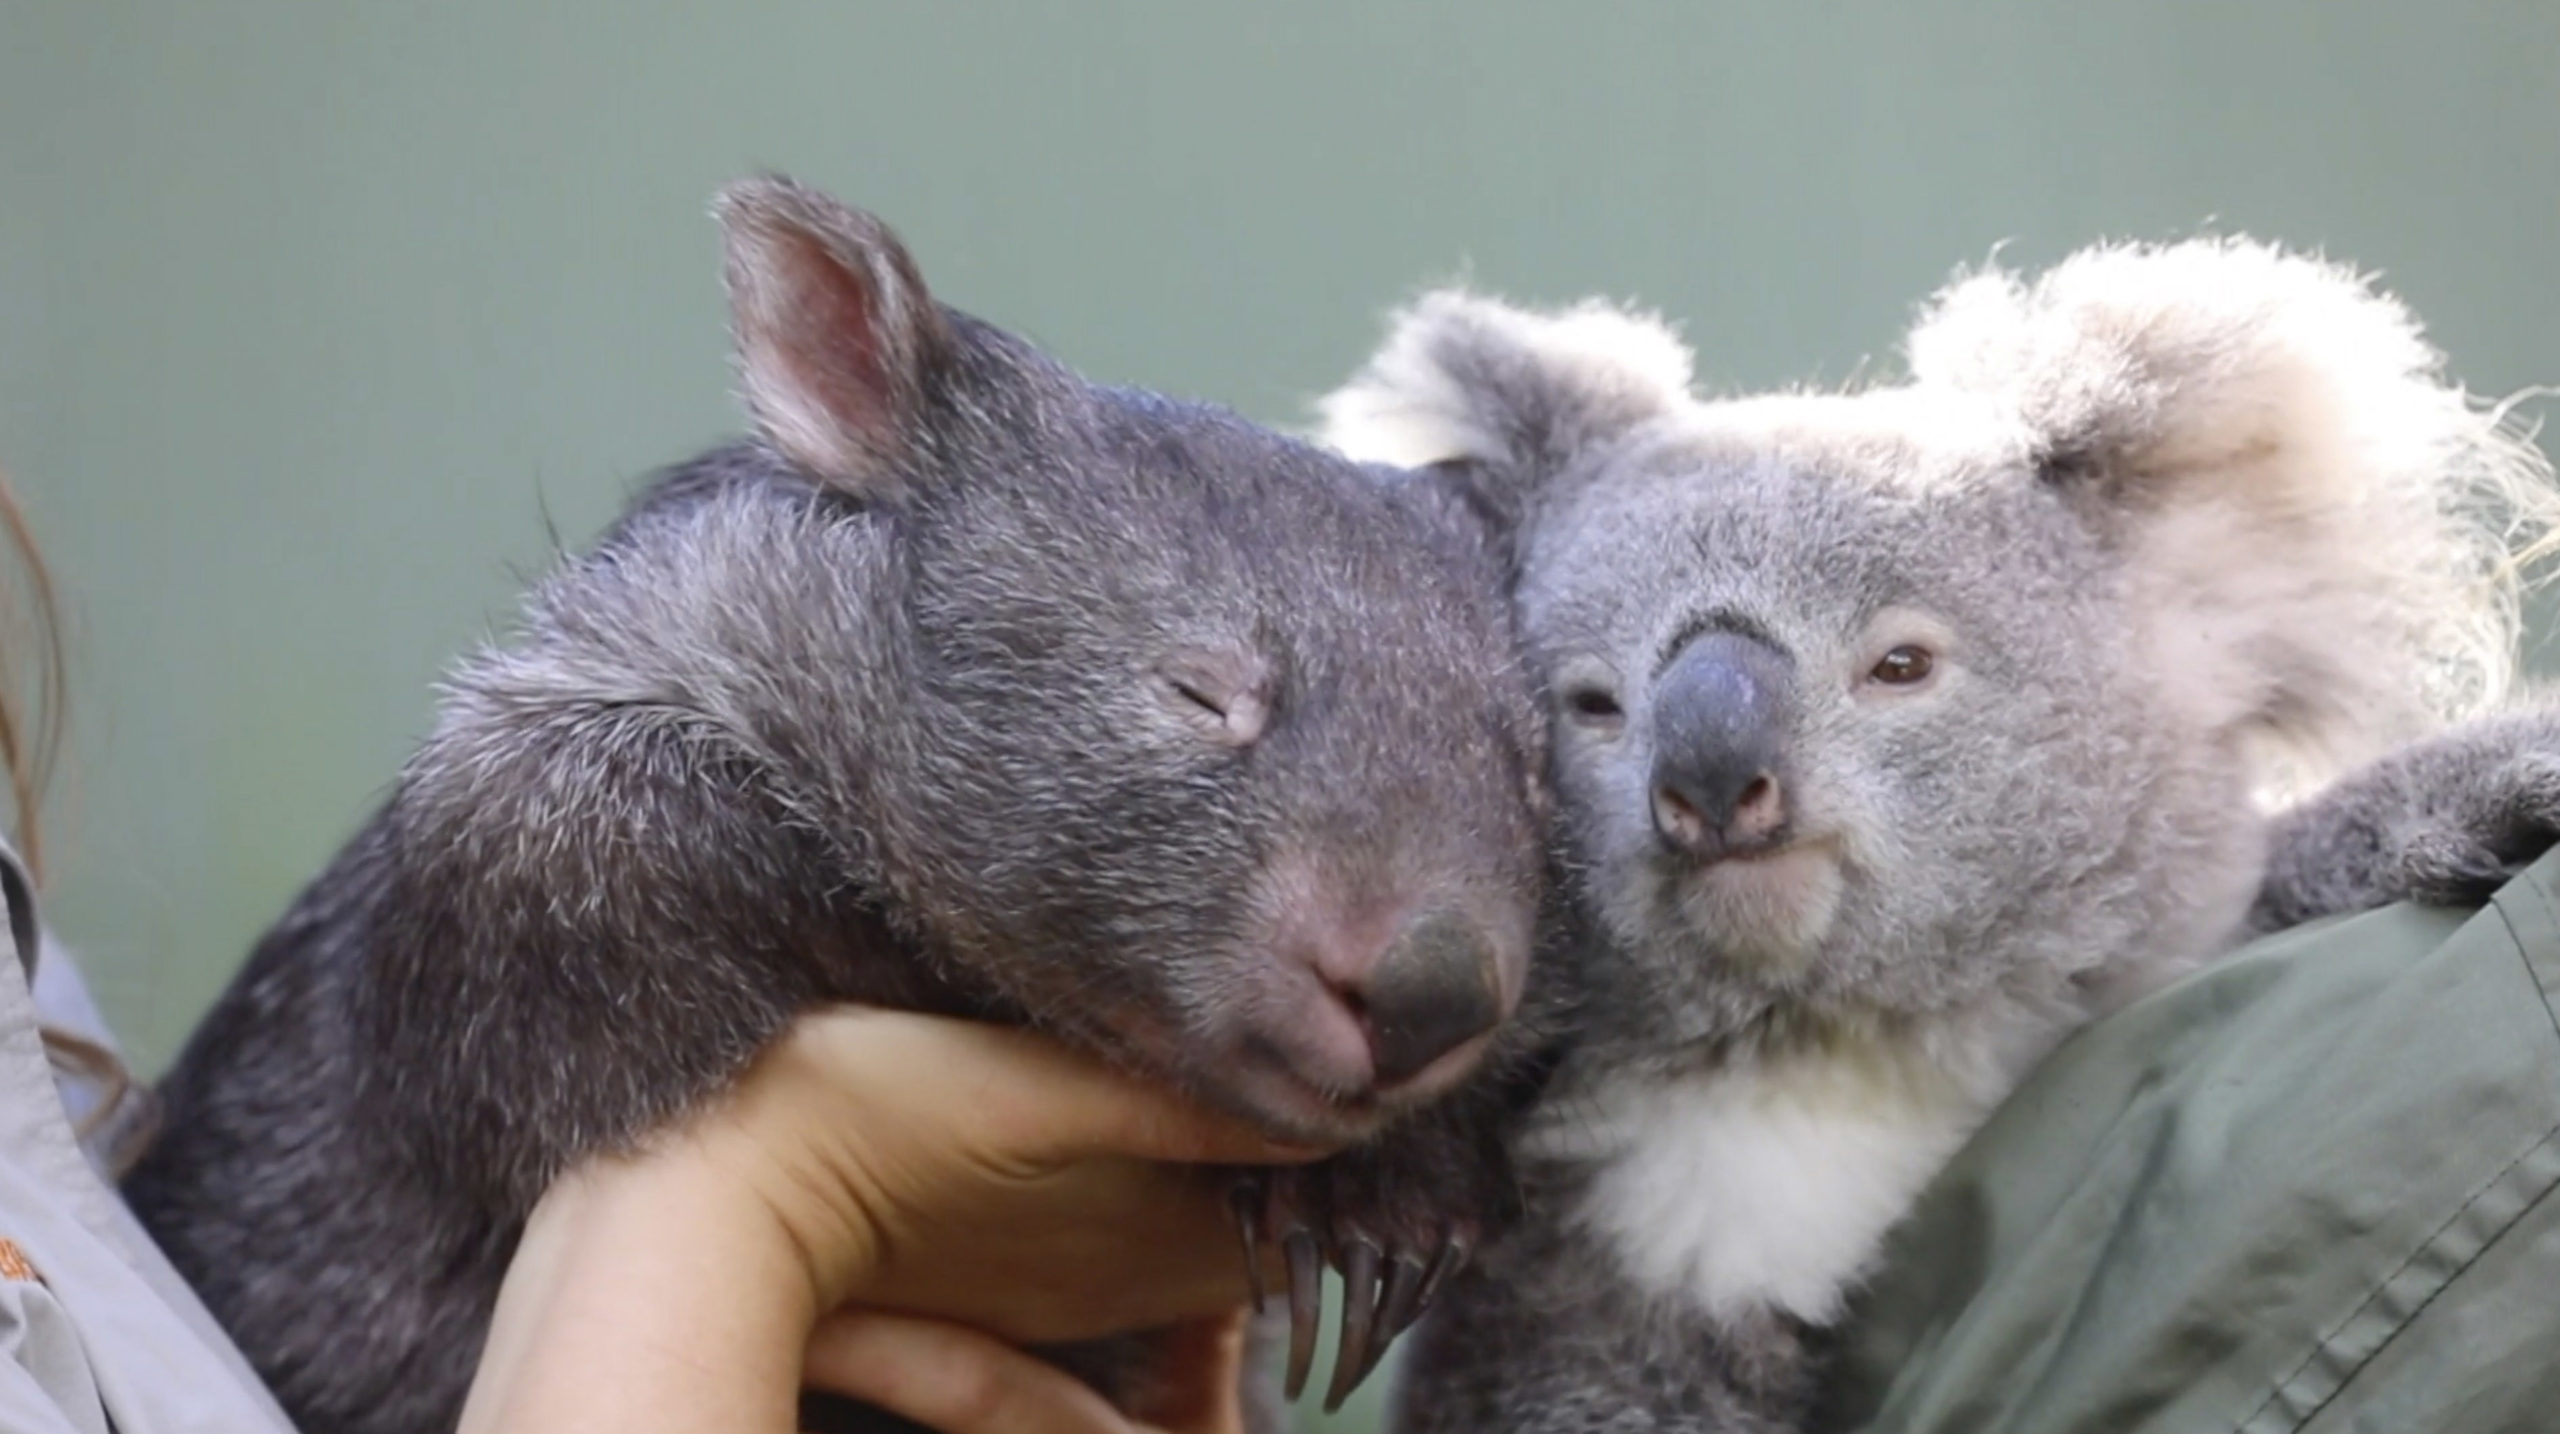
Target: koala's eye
{"x": 1903, "y": 666}
{"x": 1594, "y": 706}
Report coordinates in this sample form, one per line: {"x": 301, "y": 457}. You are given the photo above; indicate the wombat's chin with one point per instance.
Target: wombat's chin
{"x": 1249, "y": 1077}
{"x": 1287, "y": 1108}
{"x": 1263, "y": 1088}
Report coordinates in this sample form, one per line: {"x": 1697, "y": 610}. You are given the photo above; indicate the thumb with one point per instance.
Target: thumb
{"x": 1039, "y": 1101}
{"x": 1107, "y": 1112}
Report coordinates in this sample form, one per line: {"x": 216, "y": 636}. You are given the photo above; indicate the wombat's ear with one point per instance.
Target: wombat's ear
{"x": 838, "y": 342}
{"x": 1504, "y": 395}
{"x": 2316, "y": 518}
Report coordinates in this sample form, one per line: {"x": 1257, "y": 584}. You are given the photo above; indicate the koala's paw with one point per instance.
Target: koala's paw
{"x": 2507, "y": 817}
{"x": 1396, "y": 1219}
{"x": 2446, "y": 820}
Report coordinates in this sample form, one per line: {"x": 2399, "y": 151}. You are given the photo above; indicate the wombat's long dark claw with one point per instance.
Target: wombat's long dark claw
{"x": 1246, "y": 1200}
{"x": 1306, "y": 1306}
{"x": 1354, "y": 1354}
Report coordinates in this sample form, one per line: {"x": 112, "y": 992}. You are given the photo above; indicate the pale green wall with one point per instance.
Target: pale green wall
{"x": 310, "y": 312}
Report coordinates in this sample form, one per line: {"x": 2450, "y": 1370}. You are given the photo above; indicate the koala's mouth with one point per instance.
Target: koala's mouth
{"x": 1752, "y": 856}
{"x": 1772, "y": 904}
{"x": 1795, "y": 854}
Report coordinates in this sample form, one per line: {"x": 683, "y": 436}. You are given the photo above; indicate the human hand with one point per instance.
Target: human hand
{"x": 987, "y": 1176}
{"x": 963, "y": 1381}
{"x": 908, "y": 1165}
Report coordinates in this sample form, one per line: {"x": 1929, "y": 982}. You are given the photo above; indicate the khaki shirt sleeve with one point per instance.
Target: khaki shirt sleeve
{"x": 45, "y": 1382}
{"x": 2309, "y": 1189}
{"x": 96, "y": 1332}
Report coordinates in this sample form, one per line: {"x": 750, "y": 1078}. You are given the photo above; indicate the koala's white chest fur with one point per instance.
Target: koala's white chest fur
{"x": 1767, "y": 1185}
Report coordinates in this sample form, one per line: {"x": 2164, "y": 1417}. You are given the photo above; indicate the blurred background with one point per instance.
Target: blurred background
{"x": 316, "y": 319}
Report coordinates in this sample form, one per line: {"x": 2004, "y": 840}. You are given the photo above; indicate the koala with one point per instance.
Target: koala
{"x": 961, "y": 685}
{"x": 1898, "y": 732}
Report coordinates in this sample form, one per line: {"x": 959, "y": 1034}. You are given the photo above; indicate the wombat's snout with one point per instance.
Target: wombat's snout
{"x": 1393, "y": 1007}
{"x": 1435, "y": 990}
{"x": 1720, "y": 717}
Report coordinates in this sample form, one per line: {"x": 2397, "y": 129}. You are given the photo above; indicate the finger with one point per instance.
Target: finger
{"x": 1038, "y": 1100}
{"x": 951, "y": 1378}
{"x": 1199, "y": 1375}
{"x": 1072, "y": 1108}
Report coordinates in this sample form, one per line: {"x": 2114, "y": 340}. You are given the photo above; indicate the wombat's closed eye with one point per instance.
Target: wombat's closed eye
{"x": 1227, "y": 692}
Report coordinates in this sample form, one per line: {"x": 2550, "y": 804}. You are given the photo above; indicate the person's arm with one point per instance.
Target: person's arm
{"x": 957, "y": 1185}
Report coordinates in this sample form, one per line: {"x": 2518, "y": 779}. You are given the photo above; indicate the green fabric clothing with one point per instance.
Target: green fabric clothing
{"x": 2309, "y": 1188}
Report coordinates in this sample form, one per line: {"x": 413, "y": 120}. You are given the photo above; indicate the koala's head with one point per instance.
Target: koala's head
{"x": 1875, "y": 704}
{"x": 1214, "y": 749}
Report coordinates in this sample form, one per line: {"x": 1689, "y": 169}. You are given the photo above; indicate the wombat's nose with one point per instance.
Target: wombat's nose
{"x": 1437, "y": 988}
{"x": 1720, "y": 718}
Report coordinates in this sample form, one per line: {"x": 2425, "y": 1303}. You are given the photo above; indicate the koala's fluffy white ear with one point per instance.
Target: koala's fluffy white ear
{"x": 1467, "y": 379}
{"x": 2309, "y": 506}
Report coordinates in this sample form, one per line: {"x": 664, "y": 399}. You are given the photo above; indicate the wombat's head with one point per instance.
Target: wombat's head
{"x": 1876, "y": 704}
{"x": 1215, "y": 749}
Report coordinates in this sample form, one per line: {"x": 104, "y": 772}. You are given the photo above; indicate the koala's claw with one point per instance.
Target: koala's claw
{"x": 1355, "y": 1356}
{"x": 2451, "y": 869}
{"x": 1451, "y": 1259}
{"x": 1399, "y": 1302}
{"x": 1246, "y": 1201}
{"x": 1306, "y": 1306}
{"x": 1388, "y": 1281}
{"x": 1403, "y": 1296}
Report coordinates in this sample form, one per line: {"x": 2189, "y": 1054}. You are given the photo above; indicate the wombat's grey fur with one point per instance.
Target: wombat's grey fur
{"x": 1898, "y": 732}
{"x": 964, "y": 686}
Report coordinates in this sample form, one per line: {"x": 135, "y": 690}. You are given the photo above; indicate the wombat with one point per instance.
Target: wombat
{"x": 1900, "y": 731}
{"x": 963, "y": 685}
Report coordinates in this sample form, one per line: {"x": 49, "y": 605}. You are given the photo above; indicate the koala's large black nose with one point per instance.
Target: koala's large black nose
{"x": 1437, "y": 988}
{"x": 1720, "y": 719}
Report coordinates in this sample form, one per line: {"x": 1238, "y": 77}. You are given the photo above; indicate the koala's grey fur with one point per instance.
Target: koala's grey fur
{"x": 964, "y": 686}
{"x": 2445, "y": 820}
{"x": 2180, "y": 530}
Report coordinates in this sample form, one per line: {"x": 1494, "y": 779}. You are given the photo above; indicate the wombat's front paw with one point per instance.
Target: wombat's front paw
{"x": 1396, "y": 1219}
